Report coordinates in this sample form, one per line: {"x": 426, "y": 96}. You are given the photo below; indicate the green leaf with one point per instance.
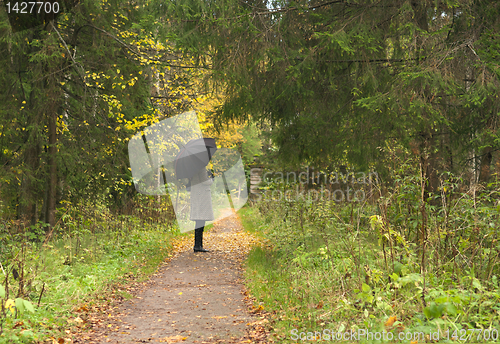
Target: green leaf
{"x": 29, "y": 306}
{"x": 434, "y": 310}
{"x": 413, "y": 277}
{"x": 450, "y": 308}
{"x": 398, "y": 267}
{"x": 366, "y": 288}
{"x": 427, "y": 313}
{"x": 20, "y": 304}
{"x": 2, "y": 291}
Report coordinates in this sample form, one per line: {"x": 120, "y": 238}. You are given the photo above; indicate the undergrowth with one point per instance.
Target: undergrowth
{"x": 344, "y": 268}
{"x": 46, "y": 275}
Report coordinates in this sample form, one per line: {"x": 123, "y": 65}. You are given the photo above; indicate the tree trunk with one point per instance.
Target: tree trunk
{"x": 429, "y": 161}
{"x": 27, "y": 205}
{"x": 52, "y": 180}
{"x": 497, "y": 165}
{"x": 484, "y": 169}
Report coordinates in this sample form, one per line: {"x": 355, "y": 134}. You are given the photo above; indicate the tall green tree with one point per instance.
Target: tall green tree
{"x": 75, "y": 89}
{"x": 339, "y": 79}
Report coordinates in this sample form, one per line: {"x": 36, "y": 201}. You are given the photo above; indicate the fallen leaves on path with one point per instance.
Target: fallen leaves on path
{"x": 227, "y": 236}
{"x": 173, "y": 339}
{"x": 226, "y": 239}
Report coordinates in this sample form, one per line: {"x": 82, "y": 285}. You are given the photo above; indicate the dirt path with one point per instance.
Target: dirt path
{"x": 193, "y": 298}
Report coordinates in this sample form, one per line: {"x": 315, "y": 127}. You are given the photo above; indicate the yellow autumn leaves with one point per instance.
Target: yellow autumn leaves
{"x": 17, "y": 304}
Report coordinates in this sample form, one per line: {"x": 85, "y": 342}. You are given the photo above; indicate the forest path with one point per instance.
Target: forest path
{"x": 193, "y": 298}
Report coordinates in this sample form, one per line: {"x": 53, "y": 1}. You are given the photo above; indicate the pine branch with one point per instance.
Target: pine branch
{"x": 279, "y": 10}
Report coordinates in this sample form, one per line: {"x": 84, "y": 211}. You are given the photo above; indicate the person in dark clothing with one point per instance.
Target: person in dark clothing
{"x": 201, "y": 205}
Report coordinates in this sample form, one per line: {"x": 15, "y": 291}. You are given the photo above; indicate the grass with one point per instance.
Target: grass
{"x": 318, "y": 275}
{"x": 105, "y": 263}
{"x": 251, "y": 219}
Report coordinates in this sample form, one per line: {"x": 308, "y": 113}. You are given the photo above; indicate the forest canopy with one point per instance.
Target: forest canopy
{"x": 404, "y": 92}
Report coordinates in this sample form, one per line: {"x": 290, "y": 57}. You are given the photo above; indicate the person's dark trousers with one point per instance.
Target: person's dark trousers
{"x": 198, "y": 236}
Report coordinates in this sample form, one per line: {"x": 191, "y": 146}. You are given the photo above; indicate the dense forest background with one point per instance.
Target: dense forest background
{"x": 338, "y": 83}
{"x": 407, "y": 89}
